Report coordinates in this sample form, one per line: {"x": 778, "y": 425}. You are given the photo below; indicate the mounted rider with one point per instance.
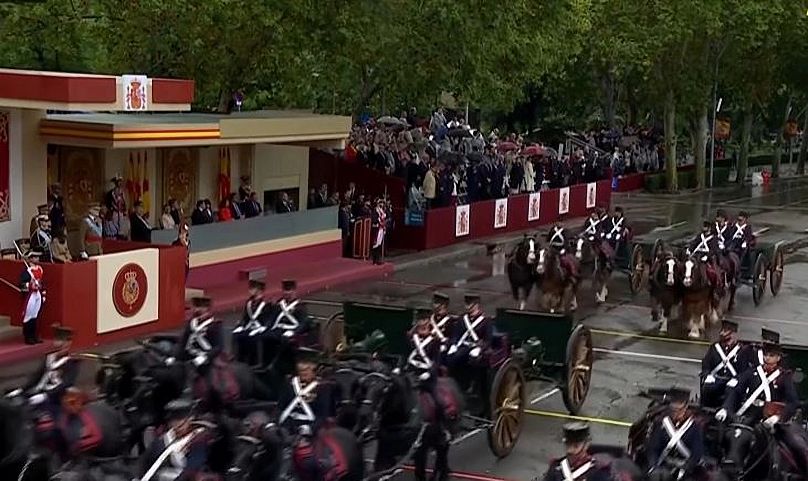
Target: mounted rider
{"x": 616, "y": 230}
{"x": 307, "y": 402}
{"x": 676, "y": 445}
{"x": 723, "y": 365}
{"x": 742, "y": 237}
{"x": 441, "y": 322}
{"x": 426, "y": 357}
{"x": 290, "y": 325}
{"x": 704, "y": 247}
{"x": 557, "y": 240}
{"x": 727, "y": 258}
{"x": 593, "y": 233}
{"x": 578, "y": 464}
{"x": 248, "y": 333}
{"x": 180, "y": 452}
{"x": 467, "y": 355}
{"x": 203, "y": 337}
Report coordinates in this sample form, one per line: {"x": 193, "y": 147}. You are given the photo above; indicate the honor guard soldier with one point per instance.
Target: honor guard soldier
{"x": 676, "y": 445}
{"x": 308, "y": 401}
{"x": 441, "y": 322}
{"x": 91, "y": 232}
{"x": 41, "y": 239}
{"x": 32, "y": 286}
{"x": 721, "y": 230}
{"x": 578, "y": 464}
{"x": 203, "y": 338}
{"x": 704, "y": 245}
{"x": 290, "y": 326}
{"x": 181, "y": 451}
{"x": 557, "y": 240}
{"x": 247, "y": 336}
{"x": 766, "y": 383}
{"x": 743, "y": 238}
{"x": 722, "y": 366}
{"x": 468, "y": 349}
{"x": 616, "y": 229}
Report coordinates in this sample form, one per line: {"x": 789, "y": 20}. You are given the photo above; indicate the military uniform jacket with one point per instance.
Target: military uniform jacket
{"x": 592, "y": 229}
{"x": 202, "y": 335}
{"x": 727, "y": 362}
{"x": 289, "y": 319}
{"x": 741, "y": 238}
{"x": 704, "y": 244}
{"x": 482, "y": 327}
{"x": 557, "y": 237}
{"x": 310, "y": 405}
{"x": 41, "y": 241}
{"x": 683, "y": 442}
{"x": 255, "y": 316}
{"x": 188, "y": 461}
{"x": 723, "y": 235}
{"x": 615, "y": 229}
{"x": 592, "y": 470}
{"x": 756, "y": 386}
{"x": 426, "y": 352}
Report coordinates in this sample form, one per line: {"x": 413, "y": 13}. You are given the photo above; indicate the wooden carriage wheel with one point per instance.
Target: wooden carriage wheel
{"x": 760, "y": 273}
{"x": 332, "y": 334}
{"x": 507, "y": 408}
{"x": 777, "y": 268}
{"x": 636, "y": 278}
{"x": 577, "y": 369}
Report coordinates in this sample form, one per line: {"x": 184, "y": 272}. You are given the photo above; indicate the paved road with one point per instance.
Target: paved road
{"x": 629, "y": 359}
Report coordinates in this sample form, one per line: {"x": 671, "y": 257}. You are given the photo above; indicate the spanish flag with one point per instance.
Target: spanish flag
{"x": 224, "y": 173}
{"x": 145, "y": 194}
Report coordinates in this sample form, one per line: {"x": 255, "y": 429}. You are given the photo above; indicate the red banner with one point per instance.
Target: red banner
{"x": 5, "y": 167}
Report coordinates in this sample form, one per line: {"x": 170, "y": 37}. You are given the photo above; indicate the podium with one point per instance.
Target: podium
{"x": 132, "y": 290}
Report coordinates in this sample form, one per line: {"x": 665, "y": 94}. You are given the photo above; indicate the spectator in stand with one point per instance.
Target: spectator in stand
{"x": 176, "y": 211}
{"x": 345, "y": 223}
{"x": 236, "y": 209}
{"x": 200, "y": 215}
{"x": 284, "y": 204}
{"x": 60, "y": 249}
{"x": 252, "y": 208}
{"x": 209, "y": 211}
{"x": 430, "y": 186}
{"x": 322, "y": 196}
{"x": 140, "y": 225}
{"x": 111, "y": 227}
{"x": 244, "y": 188}
{"x": 225, "y": 212}
{"x": 167, "y": 220}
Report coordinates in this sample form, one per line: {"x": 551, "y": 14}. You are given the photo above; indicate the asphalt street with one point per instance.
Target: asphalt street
{"x": 630, "y": 356}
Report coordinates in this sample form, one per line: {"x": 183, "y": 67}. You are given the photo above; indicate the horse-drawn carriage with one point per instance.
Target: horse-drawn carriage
{"x": 527, "y": 346}
{"x": 628, "y": 259}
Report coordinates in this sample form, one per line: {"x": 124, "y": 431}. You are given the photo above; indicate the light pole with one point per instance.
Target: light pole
{"x": 712, "y": 139}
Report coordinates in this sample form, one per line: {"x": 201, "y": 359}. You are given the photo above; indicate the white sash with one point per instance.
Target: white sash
{"x": 762, "y": 389}
{"x": 470, "y": 332}
{"x": 702, "y": 247}
{"x": 569, "y": 474}
{"x": 174, "y": 450}
{"x": 616, "y": 228}
{"x": 591, "y": 228}
{"x": 675, "y": 436}
{"x": 286, "y": 320}
{"x": 197, "y": 336}
{"x": 418, "y": 357}
{"x": 725, "y": 359}
{"x": 739, "y": 232}
{"x": 558, "y": 234}
{"x": 299, "y": 401}
{"x": 438, "y": 326}
{"x": 720, "y": 232}
{"x": 253, "y": 325}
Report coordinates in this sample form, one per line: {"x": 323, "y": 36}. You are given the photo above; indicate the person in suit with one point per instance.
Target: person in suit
{"x": 57, "y": 208}
{"x": 236, "y": 208}
{"x": 141, "y": 228}
{"x": 176, "y": 211}
{"x": 252, "y": 207}
{"x": 345, "y": 222}
{"x": 184, "y": 240}
{"x": 200, "y": 216}
{"x": 284, "y": 204}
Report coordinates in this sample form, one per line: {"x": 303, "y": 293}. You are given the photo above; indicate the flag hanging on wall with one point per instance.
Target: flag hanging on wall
{"x": 137, "y": 179}
{"x": 224, "y": 173}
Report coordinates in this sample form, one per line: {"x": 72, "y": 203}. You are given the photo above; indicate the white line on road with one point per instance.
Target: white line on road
{"x": 542, "y": 397}
{"x": 650, "y": 356}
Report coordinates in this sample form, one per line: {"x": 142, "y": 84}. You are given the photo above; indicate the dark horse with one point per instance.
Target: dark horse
{"x": 697, "y": 296}
{"x": 664, "y": 287}
{"x": 522, "y": 269}
{"x": 601, "y": 270}
{"x": 559, "y": 288}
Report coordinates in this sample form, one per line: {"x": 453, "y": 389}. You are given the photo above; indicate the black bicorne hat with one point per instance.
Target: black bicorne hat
{"x": 576, "y": 432}
{"x": 771, "y": 340}
{"x": 179, "y": 409}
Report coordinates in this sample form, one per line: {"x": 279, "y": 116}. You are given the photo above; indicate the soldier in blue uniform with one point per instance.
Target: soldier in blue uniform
{"x": 723, "y": 364}
{"x": 203, "y": 337}
{"x": 180, "y": 452}
{"x": 742, "y": 238}
{"x": 307, "y": 402}
{"x": 676, "y": 446}
{"x": 557, "y": 240}
{"x": 616, "y": 230}
{"x": 722, "y": 230}
{"x": 468, "y": 348}
{"x": 441, "y": 322}
{"x": 289, "y": 327}
{"x": 578, "y": 464}
{"x": 248, "y": 335}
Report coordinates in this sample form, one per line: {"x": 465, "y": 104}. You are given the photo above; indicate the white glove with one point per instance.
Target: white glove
{"x": 423, "y": 376}
{"x": 475, "y": 352}
{"x": 709, "y": 379}
{"x": 14, "y": 393}
{"x": 721, "y": 415}
{"x": 288, "y": 333}
{"x": 732, "y": 382}
{"x": 170, "y": 361}
{"x": 608, "y": 236}
{"x": 443, "y": 348}
{"x": 743, "y": 246}
{"x": 200, "y": 359}
{"x": 238, "y": 329}
{"x": 37, "y": 399}
{"x": 84, "y": 255}
{"x": 617, "y": 237}
{"x": 452, "y": 349}
{"x": 769, "y": 422}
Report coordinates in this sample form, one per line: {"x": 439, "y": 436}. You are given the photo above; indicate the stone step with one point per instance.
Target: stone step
{"x": 8, "y": 332}
{"x": 5, "y": 321}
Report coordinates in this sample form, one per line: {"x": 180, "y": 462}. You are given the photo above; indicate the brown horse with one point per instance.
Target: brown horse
{"x": 591, "y": 248}
{"x": 664, "y": 288}
{"x": 558, "y": 287}
{"x": 697, "y": 296}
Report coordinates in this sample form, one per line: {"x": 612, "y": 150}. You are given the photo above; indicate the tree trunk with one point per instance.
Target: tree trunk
{"x": 746, "y": 133}
{"x": 803, "y": 146}
{"x": 778, "y": 147}
{"x": 609, "y": 98}
{"x": 698, "y": 136}
{"x": 224, "y": 102}
{"x": 671, "y": 177}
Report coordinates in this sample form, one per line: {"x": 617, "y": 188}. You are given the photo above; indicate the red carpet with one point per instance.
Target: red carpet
{"x": 16, "y": 351}
{"x": 310, "y": 277}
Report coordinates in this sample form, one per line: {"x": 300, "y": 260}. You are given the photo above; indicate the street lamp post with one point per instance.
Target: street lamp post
{"x": 716, "y": 109}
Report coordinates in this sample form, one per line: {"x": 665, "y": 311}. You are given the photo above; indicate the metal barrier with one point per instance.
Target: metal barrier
{"x": 361, "y": 238}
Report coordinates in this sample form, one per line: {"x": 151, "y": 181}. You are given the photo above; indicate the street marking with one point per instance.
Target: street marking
{"x": 648, "y": 337}
{"x": 544, "y": 396}
{"x": 649, "y": 356}
{"x": 551, "y": 414}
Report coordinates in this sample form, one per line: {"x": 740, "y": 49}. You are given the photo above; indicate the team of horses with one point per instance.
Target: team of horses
{"x": 674, "y": 281}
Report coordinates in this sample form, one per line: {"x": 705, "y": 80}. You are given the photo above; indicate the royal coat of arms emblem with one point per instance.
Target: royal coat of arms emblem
{"x": 129, "y": 290}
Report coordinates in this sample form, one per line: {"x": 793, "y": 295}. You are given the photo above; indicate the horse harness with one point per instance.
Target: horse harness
{"x": 52, "y": 378}
{"x": 286, "y": 319}
{"x": 764, "y": 389}
{"x": 570, "y": 475}
{"x": 299, "y": 409}
{"x": 198, "y": 343}
{"x": 675, "y": 439}
{"x": 253, "y": 326}
{"x": 418, "y": 357}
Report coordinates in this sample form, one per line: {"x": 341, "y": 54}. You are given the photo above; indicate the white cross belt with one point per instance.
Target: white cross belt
{"x": 676, "y": 436}
{"x": 764, "y": 389}
{"x": 418, "y": 357}
{"x": 286, "y": 320}
{"x": 569, "y": 474}
{"x": 470, "y": 331}
{"x": 299, "y": 402}
{"x": 726, "y": 360}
